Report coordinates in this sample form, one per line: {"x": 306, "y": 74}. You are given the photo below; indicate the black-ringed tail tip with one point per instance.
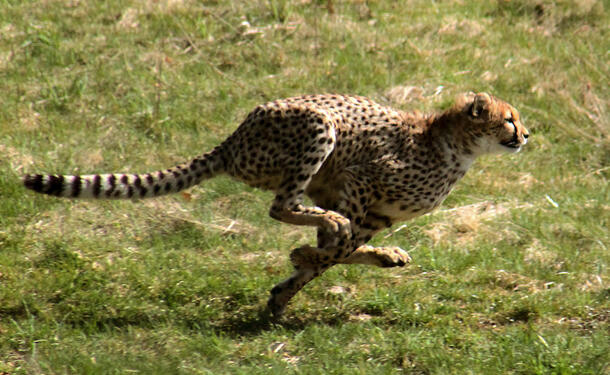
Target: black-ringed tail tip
{"x": 127, "y": 185}
{"x": 106, "y": 186}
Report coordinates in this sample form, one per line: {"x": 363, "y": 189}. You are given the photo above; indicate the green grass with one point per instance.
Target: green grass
{"x": 510, "y": 276}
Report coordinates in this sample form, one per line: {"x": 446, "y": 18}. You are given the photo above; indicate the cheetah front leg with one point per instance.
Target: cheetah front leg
{"x": 378, "y": 256}
{"x": 288, "y": 208}
{"x": 293, "y": 212}
{"x": 310, "y": 262}
{"x": 390, "y": 256}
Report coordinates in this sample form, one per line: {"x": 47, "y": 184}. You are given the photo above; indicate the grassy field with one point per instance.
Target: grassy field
{"x": 510, "y": 276}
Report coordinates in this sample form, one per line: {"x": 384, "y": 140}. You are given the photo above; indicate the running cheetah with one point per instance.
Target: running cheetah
{"x": 365, "y": 167}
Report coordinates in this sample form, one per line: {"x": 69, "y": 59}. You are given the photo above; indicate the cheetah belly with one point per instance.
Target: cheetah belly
{"x": 403, "y": 210}
{"x": 398, "y": 211}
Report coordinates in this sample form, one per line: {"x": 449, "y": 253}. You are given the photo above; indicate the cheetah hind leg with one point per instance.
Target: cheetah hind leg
{"x": 284, "y": 291}
{"x": 290, "y": 210}
{"x": 305, "y": 271}
{"x": 310, "y": 262}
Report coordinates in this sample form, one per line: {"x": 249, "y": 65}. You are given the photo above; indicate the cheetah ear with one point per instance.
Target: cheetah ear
{"x": 480, "y": 104}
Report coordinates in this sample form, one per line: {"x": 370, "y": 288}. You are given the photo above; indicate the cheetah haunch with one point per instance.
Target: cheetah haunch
{"x": 364, "y": 166}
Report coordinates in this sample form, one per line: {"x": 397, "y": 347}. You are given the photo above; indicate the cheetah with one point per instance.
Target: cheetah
{"x": 363, "y": 165}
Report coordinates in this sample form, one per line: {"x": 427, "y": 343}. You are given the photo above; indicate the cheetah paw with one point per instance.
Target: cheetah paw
{"x": 393, "y": 257}
{"x": 304, "y": 257}
{"x": 275, "y": 307}
{"x": 336, "y": 223}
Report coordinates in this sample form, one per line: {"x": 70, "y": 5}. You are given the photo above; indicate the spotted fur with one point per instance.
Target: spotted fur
{"x": 365, "y": 167}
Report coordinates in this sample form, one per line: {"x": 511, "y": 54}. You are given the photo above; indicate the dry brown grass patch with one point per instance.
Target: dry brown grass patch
{"x": 470, "y": 28}
{"x": 463, "y": 225}
{"x": 537, "y": 253}
{"x": 17, "y": 160}
{"x": 514, "y": 282}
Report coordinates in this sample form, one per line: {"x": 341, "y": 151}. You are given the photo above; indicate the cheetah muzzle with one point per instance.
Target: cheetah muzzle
{"x": 364, "y": 166}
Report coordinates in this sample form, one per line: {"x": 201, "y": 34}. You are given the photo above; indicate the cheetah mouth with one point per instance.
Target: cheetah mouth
{"x": 512, "y": 144}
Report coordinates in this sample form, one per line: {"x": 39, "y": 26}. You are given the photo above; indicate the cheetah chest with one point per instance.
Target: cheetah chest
{"x": 409, "y": 200}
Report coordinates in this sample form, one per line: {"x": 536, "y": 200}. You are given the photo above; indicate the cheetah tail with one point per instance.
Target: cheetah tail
{"x": 125, "y": 186}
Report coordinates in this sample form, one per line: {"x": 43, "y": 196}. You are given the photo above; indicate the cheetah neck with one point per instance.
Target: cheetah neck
{"x": 455, "y": 146}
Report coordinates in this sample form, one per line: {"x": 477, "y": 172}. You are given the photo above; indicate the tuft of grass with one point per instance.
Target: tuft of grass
{"x": 509, "y": 276}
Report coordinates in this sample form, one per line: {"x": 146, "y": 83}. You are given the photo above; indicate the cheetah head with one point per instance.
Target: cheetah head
{"x": 494, "y": 123}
